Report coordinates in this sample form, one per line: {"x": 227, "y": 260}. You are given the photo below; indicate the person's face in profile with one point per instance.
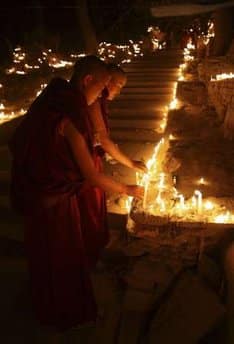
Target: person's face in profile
{"x": 93, "y": 87}
{"x": 114, "y": 86}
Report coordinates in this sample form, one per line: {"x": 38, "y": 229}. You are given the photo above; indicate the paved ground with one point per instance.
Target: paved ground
{"x": 134, "y": 118}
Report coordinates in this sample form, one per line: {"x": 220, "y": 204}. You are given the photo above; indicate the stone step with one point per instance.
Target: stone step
{"x": 157, "y": 112}
{"x": 162, "y": 61}
{"x": 138, "y": 103}
{"x": 147, "y": 90}
{"x": 154, "y": 69}
{"x": 145, "y": 96}
{"x": 152, "y": 123}
{"x": 157, "y": 57}
{"x": 139, "y": 112}
{"x": 158, "y": 77}
{"x": 161, "y": 84}
{"x": 152, "y": 82}
{"x": 140, "y": 115}
{"x": 134, "y": 135}
{"x": 156, "y": 64}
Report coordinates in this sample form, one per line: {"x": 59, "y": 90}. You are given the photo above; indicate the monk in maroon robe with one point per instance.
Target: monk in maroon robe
{"x": 53, "y": 166}
{"x": 99, "y": 115}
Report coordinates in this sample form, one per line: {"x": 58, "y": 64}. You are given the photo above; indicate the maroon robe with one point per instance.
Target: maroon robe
{"x": 47, "y": 188}
{"x": 93, "y": 202}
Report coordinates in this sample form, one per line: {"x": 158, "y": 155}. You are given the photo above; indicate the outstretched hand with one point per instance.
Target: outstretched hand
{"x": 139, "y": 166}
{"x": 135, "y": 191}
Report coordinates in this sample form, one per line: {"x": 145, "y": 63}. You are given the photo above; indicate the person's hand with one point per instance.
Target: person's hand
{"x": 139, "y": 166}
{"x": 135, "y": 191}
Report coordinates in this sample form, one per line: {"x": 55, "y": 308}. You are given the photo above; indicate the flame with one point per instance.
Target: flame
{"x": 222, "y": 76}
{"x": 128, "y": 203}
{"x": 223, "y": 218}
{"x": 173, "y": 104}
{"x": 208, "y": 205}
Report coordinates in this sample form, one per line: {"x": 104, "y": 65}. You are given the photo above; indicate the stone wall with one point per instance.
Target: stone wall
{"x": 221, "y": 93}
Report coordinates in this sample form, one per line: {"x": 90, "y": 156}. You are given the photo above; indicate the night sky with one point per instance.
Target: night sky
{"x": 56, "y": 21}
{"x": 57, "y": 17}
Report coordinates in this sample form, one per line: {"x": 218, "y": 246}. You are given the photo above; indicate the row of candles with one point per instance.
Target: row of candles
{"x": 123, "y": 53}
{"x": 23, "y": 64}
{"x": 222, "y": 76}
{"x": 161, "y": 198}
{"x": 206, "y": 38}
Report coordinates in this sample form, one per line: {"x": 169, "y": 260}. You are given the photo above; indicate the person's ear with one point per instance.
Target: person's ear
{"x": 87, "y": 79}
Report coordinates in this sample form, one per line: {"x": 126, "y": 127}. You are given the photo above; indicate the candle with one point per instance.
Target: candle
{"x": 198, "y": 194}
{"x": 128, "y": 203}
{"x": 137, "y": 178}
{"x": 161, "y": 184}
{"x": 146, "y": 179}
{"x": 194, "y": 202}
{"x": 160, "y": 202}
{"x": 181, "y": 198}
{"x": 201, "y": 181}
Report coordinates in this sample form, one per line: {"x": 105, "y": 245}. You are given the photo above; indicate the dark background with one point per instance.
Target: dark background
{"x": 29, "y": 20}
{"x": 55, "y": 24}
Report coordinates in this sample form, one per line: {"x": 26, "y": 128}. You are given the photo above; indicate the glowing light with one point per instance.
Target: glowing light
{"x": 172, "y": 137}
{"x": 223, "y": 218}
{"x": 222, "y": 76}
{"x": 128, "y": 203}
{"x": 198, "y": 196}
{"x": 202, "y": 181}
{"x": 173, "y": 104}
{"x": 208, "y": 205}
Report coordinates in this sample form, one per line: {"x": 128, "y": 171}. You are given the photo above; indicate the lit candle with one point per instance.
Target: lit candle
{"x": 208, "y": 205}
{"x": 181, "y": 198}
{"x": 137, "y": 178}
{"x": 198, "y": 194}
{"x": 201, "y": 181}
{"x": 128, "y": 203}
{"x": 146, "y": 179}
{"x": 194, "y": 202}
{"x": 160, "y": 202}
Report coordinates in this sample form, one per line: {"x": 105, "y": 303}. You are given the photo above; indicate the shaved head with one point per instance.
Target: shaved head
{"x": 89, "y": 65}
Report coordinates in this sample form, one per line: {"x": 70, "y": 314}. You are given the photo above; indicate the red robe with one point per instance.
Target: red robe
{"x": 93, "y": 201}
{"x": 49, "y": 189}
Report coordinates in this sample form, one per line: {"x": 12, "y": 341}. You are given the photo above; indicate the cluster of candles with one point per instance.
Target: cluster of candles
{"x": 6, "y": 115}
{"x": 188, "y": 57}
{"x": 124, "y": 53}
{"x": 210, "y": 33}
{"x": 174, "y": 103}
{"x": 155, "y": 34}
{"x": 222, "y": 76}
{"x": 25, "y": 63}
{"x": 161, "y": 198}
{"x": 187, "y": 51}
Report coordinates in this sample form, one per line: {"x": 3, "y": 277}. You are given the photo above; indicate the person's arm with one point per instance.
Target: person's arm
{"x": 84, "y": 161}
{"x": 107, "y": 144}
